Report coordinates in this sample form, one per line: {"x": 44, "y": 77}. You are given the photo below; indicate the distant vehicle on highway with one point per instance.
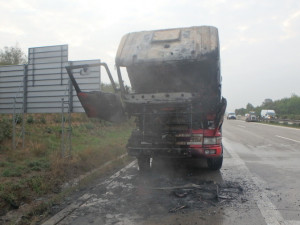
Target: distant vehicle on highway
{"x": 231, "y": 116}
{"x": 268, "y": 114}
{"x": 251, "y": 117}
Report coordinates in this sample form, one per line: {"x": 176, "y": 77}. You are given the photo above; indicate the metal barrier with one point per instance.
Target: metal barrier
{"x": 282, "y": 121}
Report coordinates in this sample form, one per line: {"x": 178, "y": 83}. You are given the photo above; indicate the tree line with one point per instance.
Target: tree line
{"x": 12, "y": 56}
{"x": 285, "y": 108}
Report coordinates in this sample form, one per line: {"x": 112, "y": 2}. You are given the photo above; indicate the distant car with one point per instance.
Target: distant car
{"x": 231, "y": 116}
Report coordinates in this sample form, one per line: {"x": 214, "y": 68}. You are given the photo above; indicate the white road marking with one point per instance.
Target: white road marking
{"x": 268, "y": 210}
{"x": 241, "y": 126}
{"x": 292, "y": 222}
{"x": 287, "y": 138}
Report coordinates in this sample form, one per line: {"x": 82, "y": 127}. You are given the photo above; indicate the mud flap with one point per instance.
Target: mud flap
{"x": 105, "y": 106}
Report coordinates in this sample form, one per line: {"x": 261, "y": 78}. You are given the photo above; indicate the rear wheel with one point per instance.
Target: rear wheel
{"x": 215, "y": 163}
{"x": 144, "y": 163}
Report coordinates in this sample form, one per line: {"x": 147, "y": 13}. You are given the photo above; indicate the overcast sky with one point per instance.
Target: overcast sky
{"x": 260, "y": 39}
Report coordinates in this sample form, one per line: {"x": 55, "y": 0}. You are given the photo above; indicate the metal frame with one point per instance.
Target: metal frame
{"x": 66, "y": 144}
{"x": 85, "y": 68}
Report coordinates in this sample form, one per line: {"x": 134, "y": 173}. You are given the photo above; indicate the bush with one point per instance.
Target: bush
{"x": 38, "y": 165}
{"x": 12, "y": 172}
{"x": 37, "y": 184}
{"x": 90, "y": 126}
{"x": 48, "y": 130}
{"x": 18, "y": 119}
{"x": 30, "y": 119}
{"x": 5, "y": 130}
{"x": 43, "y": 120}
{"x": 57, "y": 118}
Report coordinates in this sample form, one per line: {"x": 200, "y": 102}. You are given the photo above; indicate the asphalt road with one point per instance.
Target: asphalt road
{"x": 259, "y": 183}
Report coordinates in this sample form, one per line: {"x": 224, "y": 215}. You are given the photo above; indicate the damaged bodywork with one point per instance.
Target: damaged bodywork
{"x": 176, "y": 94}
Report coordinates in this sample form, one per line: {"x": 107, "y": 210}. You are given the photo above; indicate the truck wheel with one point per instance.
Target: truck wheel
{"x": 215, "y": 163}
{"x": 144, "y": 163}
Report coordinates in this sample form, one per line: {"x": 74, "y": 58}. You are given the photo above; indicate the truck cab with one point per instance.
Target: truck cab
{"x": 251, "y": 117}
{"x": 268, "y": 114}
{"x": 176, "y": 95}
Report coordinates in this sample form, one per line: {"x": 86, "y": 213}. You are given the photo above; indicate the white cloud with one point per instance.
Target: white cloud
{"x": 242, "y": 28}
{"x": 291, "y": 25}
{"x": 11, "y": 30}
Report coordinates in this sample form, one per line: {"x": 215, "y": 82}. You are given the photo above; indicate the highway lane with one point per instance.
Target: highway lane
{"x": 271, "y": 153}
{"x": 258, "y": 184}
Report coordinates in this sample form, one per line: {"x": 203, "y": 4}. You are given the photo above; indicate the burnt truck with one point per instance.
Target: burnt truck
{"x": 175, "y": 94}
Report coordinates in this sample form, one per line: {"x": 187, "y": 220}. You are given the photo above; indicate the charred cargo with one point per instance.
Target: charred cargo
{"x": 176, "y": 94}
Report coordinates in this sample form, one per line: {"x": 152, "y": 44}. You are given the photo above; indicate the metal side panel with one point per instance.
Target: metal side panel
{"x": 13, "y": 68}
{"x": 45, "y": 110}
{"x": 87, "y": 81}
{"x": 47, "y": 81}
{"x": 7, "y": 90}
{"x": 10, "y": 105}
{"x": 44, "y": 66}
{"x": 47, "y": 88}
{"x": 49, "y": 60}
{"x": 50, "y": 54}
{"x": 8, "y": 85}
{"x": 12, "y": 79}
{"x": 78, "y": 109}
{"x": 38, "y": 105}
{"x": 11, "y": 73}
{"x": 9, "y": 100}
{"x": 41, "y": 93}
{"x": 48, "y": 49}
{"x": 47, "y": 99}
{"x": 10, "y": 110}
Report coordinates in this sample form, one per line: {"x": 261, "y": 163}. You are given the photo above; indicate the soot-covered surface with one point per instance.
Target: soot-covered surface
{"x": 133, "y": 198}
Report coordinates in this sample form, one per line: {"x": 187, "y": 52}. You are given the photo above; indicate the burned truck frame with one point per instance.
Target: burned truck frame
{"x": 176, "y": 94}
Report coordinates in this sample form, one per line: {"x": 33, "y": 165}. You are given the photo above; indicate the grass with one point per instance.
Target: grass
{"x": 39, "y": 170}
{"x": 37, "y": 212}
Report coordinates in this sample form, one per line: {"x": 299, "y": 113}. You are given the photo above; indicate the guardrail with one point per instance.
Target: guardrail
{"x": 282, "y": 121}
{"x": 278, "y": 121}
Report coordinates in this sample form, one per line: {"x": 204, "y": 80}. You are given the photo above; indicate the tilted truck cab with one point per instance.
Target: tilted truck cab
{"x": 176, "y": 95}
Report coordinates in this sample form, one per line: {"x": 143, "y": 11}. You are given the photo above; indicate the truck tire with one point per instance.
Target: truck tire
{"x": 215, "y": 163}
{"x": 144, "y": 164}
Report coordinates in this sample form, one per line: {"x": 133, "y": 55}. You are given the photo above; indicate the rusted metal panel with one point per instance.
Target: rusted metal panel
{"x": 166, "y": 35}
{"x": 185, "y": 44}
{"x": 173, "y": 60}
{"x": 106, "y": 106}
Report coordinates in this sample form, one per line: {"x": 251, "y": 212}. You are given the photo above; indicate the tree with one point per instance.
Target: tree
{"x": 12, "y": 56}
{"x": 267, "y": 102}
{"x": 240, "y": 111}
{"x": 286, "y": 108}
{"x": 249, "y": 107}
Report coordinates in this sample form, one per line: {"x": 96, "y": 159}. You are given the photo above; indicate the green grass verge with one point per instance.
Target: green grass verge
{"x": 39, "y": 170}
